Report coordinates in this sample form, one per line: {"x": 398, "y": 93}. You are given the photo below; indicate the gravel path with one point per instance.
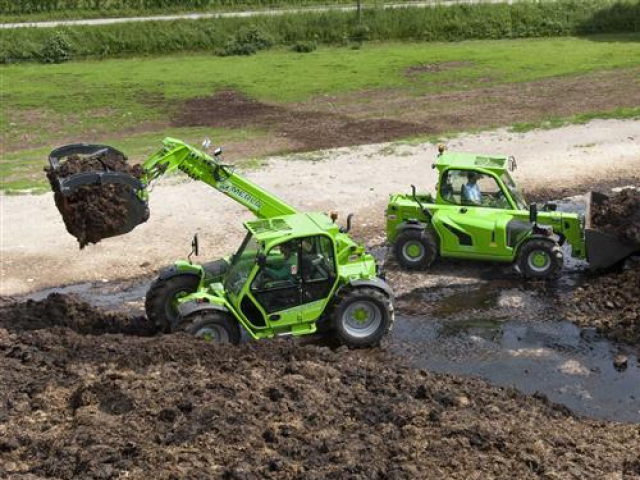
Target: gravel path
{"x": 36, "y": 251}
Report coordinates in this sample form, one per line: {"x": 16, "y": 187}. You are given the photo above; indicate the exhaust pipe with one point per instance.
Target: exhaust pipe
{"x": 348, "y": 229}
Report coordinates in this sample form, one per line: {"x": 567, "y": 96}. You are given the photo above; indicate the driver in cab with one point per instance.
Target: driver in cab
{"x": 471, "y": 194}
{"x": 287, "y": 267}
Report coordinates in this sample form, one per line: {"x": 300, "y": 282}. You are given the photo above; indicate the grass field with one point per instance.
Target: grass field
{"x": 131, "y": 103}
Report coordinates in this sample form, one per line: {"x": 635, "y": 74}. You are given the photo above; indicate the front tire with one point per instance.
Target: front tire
{"x": 416, "y": 249}
{"x": 362, "y": 317}
{"x": 215, "y": 328}
{"x": 539, "y": 259}
{"x": 160, "y": 302}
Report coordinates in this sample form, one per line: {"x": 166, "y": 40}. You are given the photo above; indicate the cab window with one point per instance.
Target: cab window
{"x": 471, "y": 188}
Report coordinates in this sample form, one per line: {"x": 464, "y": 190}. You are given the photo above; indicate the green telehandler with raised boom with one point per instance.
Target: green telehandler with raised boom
{"x": 478, "y": 213}
{"x": 294, "y": 273}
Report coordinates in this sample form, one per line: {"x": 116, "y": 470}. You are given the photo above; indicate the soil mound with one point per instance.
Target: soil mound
{"x": 67, "y": 311}
{"x": 93, "y": 212}
{"x": 173, "y": 407}
{"x": 620, "y": 215}
{"x": 611, "y": 303}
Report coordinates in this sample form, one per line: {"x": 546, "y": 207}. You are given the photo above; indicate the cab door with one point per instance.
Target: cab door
{"x": 273, "y": 298}
{"x": 472, "y": 224}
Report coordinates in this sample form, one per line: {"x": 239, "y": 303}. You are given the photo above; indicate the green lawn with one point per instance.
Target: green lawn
{"x": 46, "y": 104}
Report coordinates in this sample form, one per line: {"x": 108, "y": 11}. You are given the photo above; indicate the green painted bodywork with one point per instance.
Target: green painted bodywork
{"x": 480, "y": 232}
{"x": 277, "y": 223}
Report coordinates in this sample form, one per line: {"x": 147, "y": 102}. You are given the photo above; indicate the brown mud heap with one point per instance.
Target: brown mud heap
{"x": 620, "y": 216}
{"x": 115, "y": 406}
{"x": 611, "y": 304}
{"x": 94, "y": 212}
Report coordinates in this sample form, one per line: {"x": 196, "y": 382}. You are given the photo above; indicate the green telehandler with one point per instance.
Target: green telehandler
{"x": 294, "y": 273}
{"x": 479, "y": 214}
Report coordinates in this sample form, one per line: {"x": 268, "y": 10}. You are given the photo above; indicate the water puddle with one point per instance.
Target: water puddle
{"x": 509, "y": 337}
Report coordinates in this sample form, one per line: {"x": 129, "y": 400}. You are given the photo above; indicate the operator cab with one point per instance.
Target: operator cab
{"x": 274, "y": 273}
{"x": 478, "y": 181}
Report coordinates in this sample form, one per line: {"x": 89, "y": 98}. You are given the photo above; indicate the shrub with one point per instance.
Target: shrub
{"x": 360, "y": 33}
{"x": 247, "y": 41}
{"x": 56, "y": 49}
{"x": 304, "y": 47}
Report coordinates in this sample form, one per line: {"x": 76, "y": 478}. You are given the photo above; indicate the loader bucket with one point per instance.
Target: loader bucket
{"x": 98, "y": 194}
{"x": 604, "y": 249}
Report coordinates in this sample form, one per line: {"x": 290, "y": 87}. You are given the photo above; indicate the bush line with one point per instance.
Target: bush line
{"x": 16, "y": 7}
{"x": 229, "y": 36}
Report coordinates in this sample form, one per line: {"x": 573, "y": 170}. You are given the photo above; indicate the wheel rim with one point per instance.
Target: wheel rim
{"x": 539, "y": 261}
{"x": 361, "y": 319}
{"x": 413, "y": 251}
{"x": 213, "y": 334}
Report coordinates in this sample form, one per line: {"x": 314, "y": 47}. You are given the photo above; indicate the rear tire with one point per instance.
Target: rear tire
{"x": 213, "y": 327}
{"x": 362, "y": 317}
{"x": 540, "y": 259}
{"x": 159, "y": 303}
{"x": 416, "y": 249}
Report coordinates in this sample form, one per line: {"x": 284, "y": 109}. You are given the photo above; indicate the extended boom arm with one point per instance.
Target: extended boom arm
{"x": 198, "y": 165}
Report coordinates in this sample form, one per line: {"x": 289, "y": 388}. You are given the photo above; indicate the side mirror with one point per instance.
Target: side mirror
{"x": 195, "y": 247}
{"x": 533, "y": 213}
{"x": 217, "y": 152}
{"x": 261, "y": 259}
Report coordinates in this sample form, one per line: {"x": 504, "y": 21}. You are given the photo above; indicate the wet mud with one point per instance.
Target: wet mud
{"x": 611, "y": 304}
{"x": 86, "y": 406}
{"x": 66, "y": 311}
{"x": 94, "y": 212}
{"x": 518, "y": 336}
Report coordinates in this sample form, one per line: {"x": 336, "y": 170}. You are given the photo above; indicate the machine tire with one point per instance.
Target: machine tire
{"x": 221, "y": 327}
{"x": 160, "y": 295}
{"x": 368, "y": 331}
{"x": 540, "y": 259}
{"x": 422, "y": 242}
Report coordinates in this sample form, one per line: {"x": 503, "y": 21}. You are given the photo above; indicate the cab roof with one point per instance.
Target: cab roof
{"x": 495, "y": 163}
{"x": 301, "y": 224}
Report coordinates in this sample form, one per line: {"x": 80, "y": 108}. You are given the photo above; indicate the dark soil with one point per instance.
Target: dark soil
{"x": 620, "y": 216}
{"x": 94, "y": 212}
{"x": 308, "y": 130}
{"x": 611, "y": 304}
{"x": 66, "y": 311}
{"x": 79, "y": 406}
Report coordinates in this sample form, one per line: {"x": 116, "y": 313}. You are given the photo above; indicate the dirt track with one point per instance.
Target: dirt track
{"x": 78, "y": 406}
{"x": 37, "y": 252}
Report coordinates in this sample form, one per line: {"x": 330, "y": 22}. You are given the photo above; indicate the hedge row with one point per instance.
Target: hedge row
{"x": 461, "y": 22}
{"x": 22, "y": 7}
{"x": 69, "y": 7}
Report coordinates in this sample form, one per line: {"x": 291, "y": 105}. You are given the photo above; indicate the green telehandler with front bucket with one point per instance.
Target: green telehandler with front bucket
{"x": 294, "y": 273}
{"x": 478, "y": 213}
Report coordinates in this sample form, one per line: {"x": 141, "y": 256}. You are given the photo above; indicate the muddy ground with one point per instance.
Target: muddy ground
{"x": 610, "y": 302}
{"x": 83, "y": 406}
{"x": 330, "y": 121}
{"x": 93, "y": 212}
